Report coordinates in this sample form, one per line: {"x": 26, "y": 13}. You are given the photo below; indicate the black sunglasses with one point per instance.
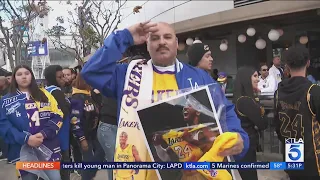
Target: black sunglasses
{"x": 265, "y": 69}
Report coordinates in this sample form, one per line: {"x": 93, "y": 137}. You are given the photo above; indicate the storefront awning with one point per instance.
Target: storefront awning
{"x": 250, "y": 12}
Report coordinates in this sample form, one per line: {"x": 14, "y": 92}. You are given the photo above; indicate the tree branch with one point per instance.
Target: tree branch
{"x": 20, "y": 17}
{"x": 2, "y": 41}
{"x": 12, "y": 8}
{"x": 115, "y": 17}
{"x": 63, "y": 47}
{"x": 90, "y": 23}
{"x": 4, "y": 32}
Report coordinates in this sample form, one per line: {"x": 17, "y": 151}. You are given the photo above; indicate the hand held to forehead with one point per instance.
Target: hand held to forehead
{"x": 140, "y": 32}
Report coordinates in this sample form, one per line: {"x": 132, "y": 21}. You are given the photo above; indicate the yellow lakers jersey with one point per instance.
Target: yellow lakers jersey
{"x": 185, "y": 151}
{"x": 124, "y": 155}
{"x": 164, "y": 85}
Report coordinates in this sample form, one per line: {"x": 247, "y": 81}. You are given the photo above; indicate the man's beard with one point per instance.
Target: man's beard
{"x": 68, "y": 83}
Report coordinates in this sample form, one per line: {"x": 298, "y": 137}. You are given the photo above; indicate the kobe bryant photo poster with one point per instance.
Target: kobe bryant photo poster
{"x": 182, "y": 129}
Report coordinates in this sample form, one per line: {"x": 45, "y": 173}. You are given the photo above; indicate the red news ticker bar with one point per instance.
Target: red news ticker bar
{"x": 38, "y": 165}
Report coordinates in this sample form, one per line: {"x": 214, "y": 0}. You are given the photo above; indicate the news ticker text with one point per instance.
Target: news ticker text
{"x": 160, "y": 165}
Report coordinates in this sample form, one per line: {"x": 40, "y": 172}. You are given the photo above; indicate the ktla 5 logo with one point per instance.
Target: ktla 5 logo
{"x": 294, "y": 150}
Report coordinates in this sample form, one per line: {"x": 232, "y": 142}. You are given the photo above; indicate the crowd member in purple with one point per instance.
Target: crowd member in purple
{"x": 30, "y": 117}
{"x": 84, "y": 120}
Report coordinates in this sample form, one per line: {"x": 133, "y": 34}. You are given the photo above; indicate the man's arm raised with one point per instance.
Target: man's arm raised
{"x": 102, "y": 71}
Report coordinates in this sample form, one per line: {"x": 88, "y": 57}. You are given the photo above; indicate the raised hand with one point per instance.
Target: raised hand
{"x": 140, "y": 32}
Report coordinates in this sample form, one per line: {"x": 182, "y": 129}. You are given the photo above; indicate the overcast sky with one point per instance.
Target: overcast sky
{"x": 61, "y": 9}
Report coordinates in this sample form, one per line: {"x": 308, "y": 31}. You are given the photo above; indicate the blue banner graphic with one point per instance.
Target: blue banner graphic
{"x": 183, "y": 165}
{"x": 278, "y": 165}
{"x": 295, "y": 166}
{"x": 122, "y": 165}
{"x": 37, "y": 48}
{"x": 242, "y": 165}
{"x": 197, "y": 165}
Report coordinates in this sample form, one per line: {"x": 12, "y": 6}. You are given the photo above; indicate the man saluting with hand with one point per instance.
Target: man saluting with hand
{"x": 159, "y": 78}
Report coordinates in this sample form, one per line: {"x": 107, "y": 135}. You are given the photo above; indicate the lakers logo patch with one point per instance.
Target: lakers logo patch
{"x": 210, "y": 172}
{"x": 213, "y": 173}
{"x": 59, "y": 124}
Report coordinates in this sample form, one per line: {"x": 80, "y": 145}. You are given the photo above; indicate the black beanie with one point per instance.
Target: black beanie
{"x": 196, "y": 52}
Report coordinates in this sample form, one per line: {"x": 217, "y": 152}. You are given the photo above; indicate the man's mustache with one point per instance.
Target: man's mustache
{"x": 162, "y": 47}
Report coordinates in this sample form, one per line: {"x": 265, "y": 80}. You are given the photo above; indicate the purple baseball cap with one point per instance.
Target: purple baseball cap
{"x": 222, "y": 76}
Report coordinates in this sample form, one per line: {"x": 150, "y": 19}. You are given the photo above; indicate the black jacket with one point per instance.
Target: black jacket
{"x": 67, "y": 91}
{"x": 109, "y": 109}
{"x": 50, "y": 75}
{"x": 252, "y": 115}
{"x": 297, "y": 115}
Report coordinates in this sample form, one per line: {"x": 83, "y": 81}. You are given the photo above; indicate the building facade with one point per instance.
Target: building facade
{"x": 222, "y": 22}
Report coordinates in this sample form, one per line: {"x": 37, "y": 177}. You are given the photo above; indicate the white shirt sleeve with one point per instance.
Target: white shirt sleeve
{"x": 272, "y": 71}
{"x": 276, "y": 73}
{"x": 260, "y": 83}
{"x": 272, "y": 85}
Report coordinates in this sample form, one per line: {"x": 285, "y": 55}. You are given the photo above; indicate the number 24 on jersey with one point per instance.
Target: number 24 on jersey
{"x": 34, "y": 119}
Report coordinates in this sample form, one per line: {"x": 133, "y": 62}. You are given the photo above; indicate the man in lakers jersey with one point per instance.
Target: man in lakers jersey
{"x": 297, "y": 112}
{"x": 126, "y": 153}
{"x": 187, "y": 145}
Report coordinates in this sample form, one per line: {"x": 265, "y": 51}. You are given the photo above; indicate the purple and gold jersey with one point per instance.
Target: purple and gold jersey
{"x": 28, "y": 117}
{"x": 25, "y": 117}
{"x": 37, "y": 121}
{"x": 33, "y": 116}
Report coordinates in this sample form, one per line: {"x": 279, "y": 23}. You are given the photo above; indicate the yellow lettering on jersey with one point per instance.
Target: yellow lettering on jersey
{"x": 184, "y": 150}
{"x": 172, "y": 141}
{"x": 30, "y": 105}
{"x": 164, "y": 86}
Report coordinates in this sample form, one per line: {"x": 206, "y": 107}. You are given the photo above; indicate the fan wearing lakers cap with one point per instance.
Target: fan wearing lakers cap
{"x": 126, "y": 153}
{"x": 188, "y": 144}
{"x": 199, "y": 56}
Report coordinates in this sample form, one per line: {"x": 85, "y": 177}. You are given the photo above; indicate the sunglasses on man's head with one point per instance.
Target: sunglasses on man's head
{"x": 265, "y": 69}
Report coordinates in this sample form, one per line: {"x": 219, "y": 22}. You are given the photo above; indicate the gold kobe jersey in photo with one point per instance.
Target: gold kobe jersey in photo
{"x": 185, "y": 151}
{"x": 124, "y": 155}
